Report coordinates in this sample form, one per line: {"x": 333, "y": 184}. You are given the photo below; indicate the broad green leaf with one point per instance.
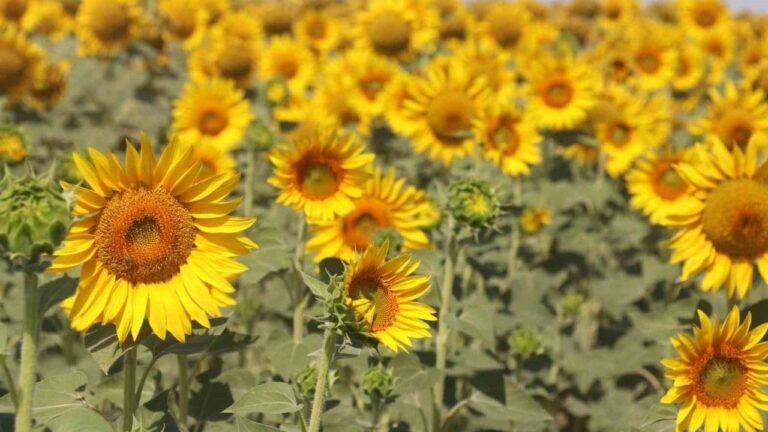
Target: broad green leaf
{"x": 80, "y": 419}
{"x": 242, "y": 424}
{"x": 56, "y": 395}
{"x": 101, "y": 342}
{"x": 318, "y": 287}
{"x": 271, "y": 256}
{"x": 53, "y": 292}
{"x": 269, "y": 398}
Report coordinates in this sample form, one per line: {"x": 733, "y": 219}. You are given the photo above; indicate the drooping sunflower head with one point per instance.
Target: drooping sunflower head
{"x": 155, "y": 241}
{"x": 386, "y": 204}
{"x": 321, "y": 173}
{"x": 50, "y": 87}
{"x": 212, "y": 112}
{"x": 655, "y": 185}
{"x": 735, "y": 115}
{"x": 561, "y": 92}
{"x": 397, "y": 28}
{"x": 444, "y": 105}
{"x": 287, "y": 59}
{"x": 509, "y": 139}
{"x": 106, "y": 28}
{"x": 48, "y": 18}
{"x": 718, "y": 375}
{"x": 383, "y": 292}
{"x": 21, "y": 62}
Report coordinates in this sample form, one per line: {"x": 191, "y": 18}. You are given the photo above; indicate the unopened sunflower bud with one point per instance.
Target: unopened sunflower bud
{"x": 378, "y": 381}
{"x": 260, "y": 137}
{"x": 473, "y": 202}
{"x": 306, "y": 379}
{"x": 572, "y": 303}
{"x": 35, "y": 216}
{"x": 525, "y": 343}
{"x": 392, "y": 236}
{"x": 12, "y": 145}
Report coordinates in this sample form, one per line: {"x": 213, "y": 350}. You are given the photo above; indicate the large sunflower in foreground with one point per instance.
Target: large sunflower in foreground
{"x": 21, "y": 63}
{"x": 105, "y": 28}
{"x": 656, "y": 187}
{"x": 211, "y": 112}
{"x": 321, "y": 173}
{"x": 562, "y": 90}
{"x": 510, "y": 139}
{"x": 382, "y": 294}
{"x": 734, "y": 116}
{"x": 724, "y": 221}
{"x": 385, "y": 203}
{"x": 444, "y": 105}
{"x": 718, "y": 375}
{"x": 155, "y": 241}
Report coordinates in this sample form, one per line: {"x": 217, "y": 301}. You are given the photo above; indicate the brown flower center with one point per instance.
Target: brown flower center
{"x": 506, "y": 33}
{"x": 368, "y": 216}
{"x": 503, "y": 136}
{"x": 13, "y": 10}
{"x": 389, "y": 33}
{"x": 667, "y": 182}
{"x": 384, "y": 304}
{"x": 450, "y": 115}
{"x": 720, "y": 381}
{"x": 317, "y": 178}
{"x": 110, "y": 21}
{"x": 144, "y": 235}
{"x": 705, "y": 16}
{"x": 618, "y": 134}
{"x": 236, "y": 64}
{"x": 213, "y": 122}
{"x": 557, "y": 92}
{"x": 735, "y": 218}
{"x": 648, "y": 61}
{"x": 12, "y": 66}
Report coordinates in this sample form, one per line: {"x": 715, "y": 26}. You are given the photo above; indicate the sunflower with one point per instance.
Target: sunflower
{"x": 185, "y": 20}
{"x": 457, "y": 25}
{"x": 215, "y": 160}
{"x": 48, "y": 18}
{"x": 656, "y": 187}
{"x": 691, "y": 68}
{"x": 504, "y": 25}
{"x": 211, "y": 112}
{"x": 756, "y": 77}
{"x": 444, "y": 106}
{"x": 284, "y": 58}
{"x": 533, "y": 219}
{"x": 237, "y": 26}
{"x": 231, "y": 58}
{"x": 484, "y": 59}
{"x": 21, "y": 62}
{"x": 718, "y": 375}
{"x": 509, "y": 139}
{"x": 49, "y": 88}
{"x": 582, "y": 154}
{"x": 700, "y": 17}
{"x": 12, "y": 147}
{"x": 106, "y": 28}
{"x": 561, "y": 91}
{"x": 367, "y": 76}
{"x": 734, "y": 116}
{"x": 723, "y": 229}
{"x": 318, "y": 30}
{"x": 385, "y": 203}
{"x": 719, "y": 48}
{"x": 12, "y": 12}
{"x": 653, "y": 56}
{"x": 331, "y": 111}
{"x": 382, "y": 294}
{"x": 397, "y": 28}
{"x": 393, "y": 99}
{"x": 155, "y": 242}
{"x": 277, "y": 16}
{"x": 617, "y": 13}
{"x": 321, "y": 174}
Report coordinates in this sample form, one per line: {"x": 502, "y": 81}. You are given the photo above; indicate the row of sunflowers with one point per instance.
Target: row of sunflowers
{"x": 518, "y": 179}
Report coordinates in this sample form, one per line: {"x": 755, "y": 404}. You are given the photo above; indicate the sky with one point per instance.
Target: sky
{"x": 757, "y": 5}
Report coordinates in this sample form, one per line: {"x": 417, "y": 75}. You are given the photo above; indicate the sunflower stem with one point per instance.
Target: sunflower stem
{"x": 514, "y": 237}
{"x": 441, "y": 340}
{"x": 250, "y": 180}
{"x": 322, "y": 379}
{"x": 129, "y": 387}
{"x": 143, "y": 379}
{"x": 183, "y": 391}
{"x": 9, "y": 382}
{"x": 28, "y": 353}
{"x": 300, "y": 298}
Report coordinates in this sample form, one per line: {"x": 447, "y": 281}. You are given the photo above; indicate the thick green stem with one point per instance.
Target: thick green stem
{"x": 183, "y": 391}
{"x": 446, "y": 292}
{"x": 299, "y": 297}
{"x": 9, "y": 382}
{"x": 28, "y": 353}
{"x": 250, "y": 180}
{"x": 322, "y": 379}
{"x": 129, "y": 388}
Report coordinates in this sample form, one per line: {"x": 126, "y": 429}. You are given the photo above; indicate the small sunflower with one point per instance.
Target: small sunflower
{"x": 21, "y": 62}
{"x": 444, "y": 107}
{"x": 691, "y": 68}
{"x": 562, "y": 90}
{"x": 655, "y": 185}
{"x": 718, "y": 375}
{"x": 719, "y": 48}
{"x": 215, "y": 160}
{"x": 329, "y": 110}
{"x": 185, "y": 20}
{"x": 397, "y": 28}
{"x": 231, "y": 58}
{"x": 12, "y": 12}
{"x": 723, "y": 228}
{"x": 106, "y": 28}
{"x": 457, "y": 25}
{"x": 277, "y": 16}
{"x": 654, "y": 58}
{"x": 238, "y": 25}
{"x": 284, "y": 58}
{"x": 533, "y": 219}
{"x": 700, "y": 17}
{"x": 509, "y": 139}
{"x": 367, "y": 75}
{"x": 321, "y": 174}
{"x": 734, "y": 115}
{"x": 383, "y": 292}
{"x": 393, "y": 100}
{"x": 47, "y": 18}
{"x": 12, "y": 146}
{"x": 617, "y": 13}
{"x": 211, "y": 112}
{"x": 49, "y": 88}
{"x": 385, "y": 203}
{"x": 497, "y": 28}
{"x": 484, "y": 59}
{"x": 155, "y": 241}
{"x": 318, "y": 30}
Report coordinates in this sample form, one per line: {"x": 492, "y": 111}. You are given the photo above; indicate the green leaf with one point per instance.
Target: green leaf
{"x": 519, "y": 408}
{"x": 101, "y": 342}
{"x": 242, "y": 424}
{"x": 318, "y": 287}
{"x": 80, "y": 419}
{"x": 269, "y": 398}
{"x": 56, "y": 395}
{"x": 271, "y": 256}
{"x": 53, "y": 292}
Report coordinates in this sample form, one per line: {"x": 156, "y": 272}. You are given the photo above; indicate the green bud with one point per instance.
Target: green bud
{"x": 13, "y": 148}
{"x": 260, "y": 137}
{"x": 378, "y": 381}
{"x": 572, "y": 303}
{"x": 390, "y": 235}
{"x": 306, "y": 379}
{"x": 525, "y": 343}
{"x": 473, "y": 202}
{"x": 35, "y": 216}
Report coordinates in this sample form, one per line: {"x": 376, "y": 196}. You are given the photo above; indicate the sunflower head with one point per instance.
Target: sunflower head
{"x": 13, "y": 148}
{"x": 382, "y": 294}
{"x": 12, "y": 11}
{"x": 106, "y": 28}
{"x": 21, "y": 62}
{"x": 718, "y": 374}
{"x": 50, "y": 87}
{"x": 533, "y": 219}
{"x": 474, "y": 203}
{"x": 35, "y": 216}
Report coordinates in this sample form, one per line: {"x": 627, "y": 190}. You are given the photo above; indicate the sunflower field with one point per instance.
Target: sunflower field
{"x": 383, "y": 215}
